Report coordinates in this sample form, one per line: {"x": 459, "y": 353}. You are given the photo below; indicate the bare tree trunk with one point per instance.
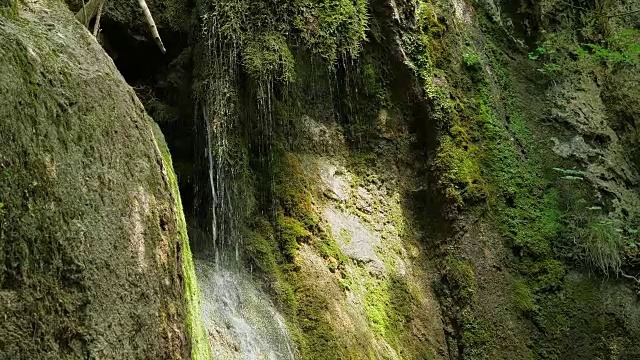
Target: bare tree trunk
{"x": 152, "y": 25}
{"x": 96, "y": 25}
{"x": 94, "y": 8}
{"x": 84, "y": 11}
{"x": 88, "y": 11}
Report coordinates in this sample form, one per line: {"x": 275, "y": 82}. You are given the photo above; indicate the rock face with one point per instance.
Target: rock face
{"x": 425, "y": 179}
{"x": 94, "y": 261}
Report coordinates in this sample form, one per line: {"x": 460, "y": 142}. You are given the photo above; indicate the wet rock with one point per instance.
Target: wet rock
{"x": 335, "y": 181}
{"x": 354, "y": 239}
{"x": 576, "y": 147}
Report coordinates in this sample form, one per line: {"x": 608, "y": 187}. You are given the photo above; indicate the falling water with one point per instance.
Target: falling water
{"x": 219, "y": 113}
{"x": 241, "y": 320}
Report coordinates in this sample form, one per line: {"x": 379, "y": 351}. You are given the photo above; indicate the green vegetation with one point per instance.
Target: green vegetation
{"x": 560, "y": 53}
{"x": 388, "y": 306}
{"x": 486, "y": 158}
{"x": 438, "y": 117}
{"x": 333, "y": 28}
{"x": 268, "y": 55}
{"x": 292, "y": 233}
{"x": 456, "y": 290}
{"x": 198, "y": 335}
{"x": 601, "y": 240}
{"x": 471, "y": 59}
{"x": 522, "y": 297}
{"x": 261, "y": 32}
{"x": 9, "y": 8}
{"x": 605, "y": 243}
{"x": 272, "y": 249}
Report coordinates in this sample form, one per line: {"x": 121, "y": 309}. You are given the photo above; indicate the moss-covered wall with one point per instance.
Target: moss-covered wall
{"x": 408, "y": 180}
{"x": 94, "y": 261}
{"x": 530, "y": 169}
{"x": 475, "y": 134}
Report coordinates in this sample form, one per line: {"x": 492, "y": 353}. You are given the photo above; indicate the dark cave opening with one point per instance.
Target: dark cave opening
{"x": 164, "y": 85}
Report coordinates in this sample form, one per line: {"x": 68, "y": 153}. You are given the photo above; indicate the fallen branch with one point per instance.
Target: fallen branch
{"x": 96, "y": 25}
{"x": 88, "y": 11}
{"x": 94, "y": 8}
{"x": 152, "y": 25}
{"x": 84, "y": 11}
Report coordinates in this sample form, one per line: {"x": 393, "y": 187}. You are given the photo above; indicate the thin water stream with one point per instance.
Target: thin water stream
{"x": 240, "y": 318}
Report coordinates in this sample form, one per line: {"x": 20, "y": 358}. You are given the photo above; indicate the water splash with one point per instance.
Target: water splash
{"x": 241, "y": 320}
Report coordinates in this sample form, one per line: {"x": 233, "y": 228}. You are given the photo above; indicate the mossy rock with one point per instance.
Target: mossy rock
{"x": 92, "y": 247}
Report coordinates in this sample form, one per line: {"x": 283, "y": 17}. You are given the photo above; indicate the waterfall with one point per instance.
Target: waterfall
{"x": 220, "y": 115}
{"x": 240, "y": 318}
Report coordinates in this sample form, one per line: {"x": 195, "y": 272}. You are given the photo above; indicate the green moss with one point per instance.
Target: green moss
{"x": 291, "y": 233}
{"x": 268, "y": 57}
{"x": 345, "y": 235}
{"x": 457, "y": 289}
{"x": 9, "y": 8}
{"x": 332, "y": 28}
{"x": 293, "y": 191}
{"x": 88, "y": 245}
{"x": 458, "y": 156}
{"x": 476, "y": 338}
{"x": 260, "y": 32}
{"x": 320, "y": 340}
{"x": 265, "y": 258}
{"x": 272, "y": 249}
{"x": 528, "y": 208}
{"x": 460, "y": 279}
{"x": 580, "y": 321}
{"x": 260, "y": 248}
{"x": 200, "y": 349}
{"x": 388, "y": 306}
{"x": 328, "y": 249}
{"x": 457, "y": 163}
{"x": 522, "y": 297}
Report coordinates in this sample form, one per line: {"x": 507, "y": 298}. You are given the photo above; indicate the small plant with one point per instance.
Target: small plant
{"x": 622, "y": 48}
{"x": 560, "y": 52}
{"x": 471, "y": 60}
{"x": 601, "y": 242}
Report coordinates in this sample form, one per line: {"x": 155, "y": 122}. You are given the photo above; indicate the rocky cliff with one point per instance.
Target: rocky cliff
{"x": 429, "y": 179}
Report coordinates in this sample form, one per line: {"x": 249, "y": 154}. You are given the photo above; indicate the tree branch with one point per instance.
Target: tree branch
{"x": 84, "y": 11}
{"x": 87, "y": 12}
{"x": 152, "y": 25}
{"x": 96, "y": 25}
{"x": 629, "y": 277}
